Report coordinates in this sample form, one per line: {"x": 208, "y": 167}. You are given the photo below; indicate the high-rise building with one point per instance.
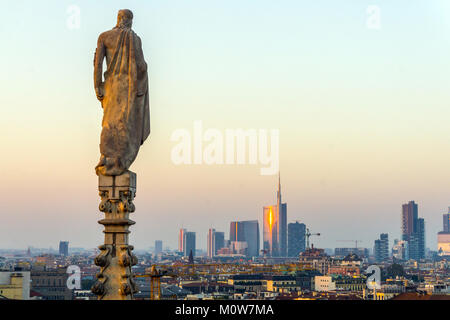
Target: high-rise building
{"x": 420, "y": 234}
{"x": 219, "y": 241}
{"x": 409, "y": 219}
{"x": 158, "y": 246}
{"x": 251, "y": 236}
{"x": 381, "y": 248}
{"x": 236, "y": 231}
{"x": 211, "y": 246}
{"x": 188, "y": 243}
{"x": 413, "y": 231}
{"x": 296, "y": 238}
{"x": 275, "y": 227}
{"x": 181, "y": 240}
{"x": 64, "y": 248}
{"x": 216, "y": 241}
{"x": 246, "y": 231}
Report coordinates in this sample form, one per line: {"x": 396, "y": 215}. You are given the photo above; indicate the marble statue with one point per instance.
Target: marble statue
{"x": 123, "y": 94}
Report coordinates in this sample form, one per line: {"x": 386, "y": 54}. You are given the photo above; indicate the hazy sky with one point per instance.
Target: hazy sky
{"x": 363, "y": 116}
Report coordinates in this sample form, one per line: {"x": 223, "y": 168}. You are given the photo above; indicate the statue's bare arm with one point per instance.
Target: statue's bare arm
{"x": 100, "y": 53}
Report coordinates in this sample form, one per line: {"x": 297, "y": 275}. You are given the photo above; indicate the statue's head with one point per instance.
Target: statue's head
{"x": 124, "y": 18}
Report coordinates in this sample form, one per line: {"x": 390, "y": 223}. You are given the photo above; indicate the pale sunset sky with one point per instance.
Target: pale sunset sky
{"x": 363, "y": 116}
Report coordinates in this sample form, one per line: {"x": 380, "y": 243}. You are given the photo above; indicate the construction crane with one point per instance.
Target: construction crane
{"x": 155, "y": 282}
{"x": 309, "y": 234}
{"x": 355, "y": 241}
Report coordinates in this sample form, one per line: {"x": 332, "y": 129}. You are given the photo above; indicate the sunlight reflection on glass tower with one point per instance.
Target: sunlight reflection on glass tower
{"x": 275, "y": 227}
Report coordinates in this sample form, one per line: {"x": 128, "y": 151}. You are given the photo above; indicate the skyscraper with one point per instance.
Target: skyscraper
{"x": 416, "y": 243}
{"x": 219, "y": 241}
{"x": 246, "y": 231}
{"x": 181, "y": 240}
{"x": 413, "y": 231}
{"x": 216, "y": 241}
{"x": 236, "y": 231}
{"x": 251, "y": 236}
{"x": 64, "y": 248}
{"x": 275, "y": 227}
{"x": 409, "y": 219}
{"x": 158, "y": 246}
{"x": 296, "y": 238}
{"x": 421, "y": 235}
{"x": 188, "y": 243}
{"x": 381, "y": 248}
{"x": 211, "y": 245}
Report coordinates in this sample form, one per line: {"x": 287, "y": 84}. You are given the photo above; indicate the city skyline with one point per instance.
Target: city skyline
{"x": 409, "y": 214}
{"x": 238, "y": 230}
{"x": 362, "y": 116}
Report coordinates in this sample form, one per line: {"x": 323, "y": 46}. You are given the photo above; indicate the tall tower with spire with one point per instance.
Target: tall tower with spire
{"x": 275, "y": 226}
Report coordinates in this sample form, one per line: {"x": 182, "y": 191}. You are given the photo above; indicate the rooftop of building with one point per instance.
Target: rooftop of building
{"x": 418, "y": 296}
{"x": 247, "y": 277}
{"x": 281, "y": 278}
{"x": 313, "y": 252}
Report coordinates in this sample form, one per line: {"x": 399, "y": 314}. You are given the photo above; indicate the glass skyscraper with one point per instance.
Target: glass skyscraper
{"x": 296, "y": 238}
{"x": 158, "y": 246}
{"x": 381, "y": 248}
{"x": 188, "y": 243}
{"x": 275, "y": 227}
{"x": 64, "y": 248}
{"x": 246, "y": 231}
{"x": 216, "y": 241}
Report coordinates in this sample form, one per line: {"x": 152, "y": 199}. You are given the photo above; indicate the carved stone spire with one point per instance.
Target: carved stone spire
{"x": 115, "y": 279}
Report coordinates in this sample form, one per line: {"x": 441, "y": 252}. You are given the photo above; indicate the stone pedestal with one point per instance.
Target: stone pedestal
{"x": 115, "y": 280}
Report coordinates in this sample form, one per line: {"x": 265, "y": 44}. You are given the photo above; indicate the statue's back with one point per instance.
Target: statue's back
{"x": 124, "y": 97}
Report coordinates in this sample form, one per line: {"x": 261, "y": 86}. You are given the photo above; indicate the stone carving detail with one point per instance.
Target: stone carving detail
{"x": 115, "y": 279}
{"x": 126, "y": 204}
{"x": 102, "y": 259}
{"x": 99, "y": 286}
{"x": 129, "y": 287}
{"x": 127, "y": 259}
{"x": 105, "y": 204}
{"x": 125, "y": 288}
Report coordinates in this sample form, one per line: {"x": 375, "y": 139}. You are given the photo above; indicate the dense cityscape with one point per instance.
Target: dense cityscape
{"x": 287, "y": 267}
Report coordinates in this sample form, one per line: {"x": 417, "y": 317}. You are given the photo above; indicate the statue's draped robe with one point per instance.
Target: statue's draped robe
{"x": 126, "y": 117}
